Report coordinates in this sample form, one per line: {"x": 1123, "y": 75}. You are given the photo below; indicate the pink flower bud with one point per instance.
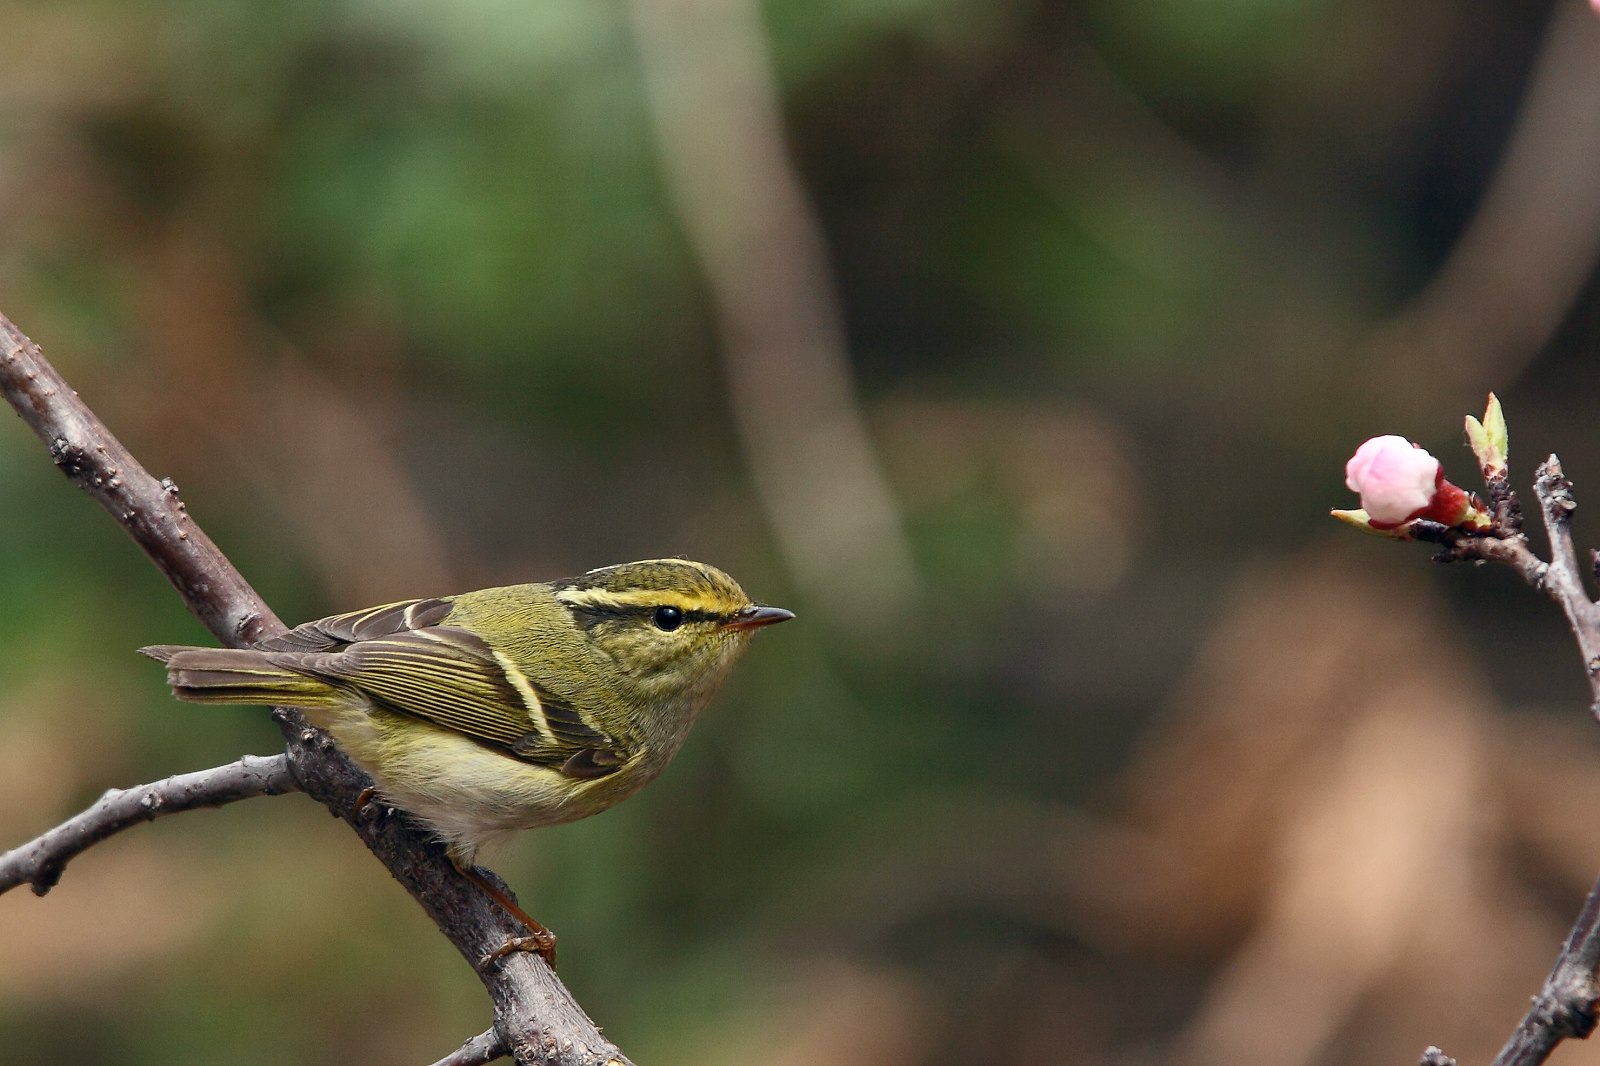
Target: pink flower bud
{"x": 1396, "y": 479}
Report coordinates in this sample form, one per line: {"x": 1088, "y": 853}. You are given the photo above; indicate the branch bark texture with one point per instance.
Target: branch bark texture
{"x": 536, "y": 1018}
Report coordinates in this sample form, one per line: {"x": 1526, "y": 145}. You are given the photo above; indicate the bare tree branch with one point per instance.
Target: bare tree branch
{"x": 485, "y": 1047}
{"x": 149, "y": 510}
{"x": 41, "y": 861}
{"x": 535, "y": 1016}
{"x": 1565, "y": 1006}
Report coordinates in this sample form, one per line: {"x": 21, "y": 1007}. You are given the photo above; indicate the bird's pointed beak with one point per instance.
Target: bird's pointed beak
{"x": 754, "y": 617}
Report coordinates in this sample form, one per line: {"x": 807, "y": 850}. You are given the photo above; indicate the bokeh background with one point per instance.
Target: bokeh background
{"x": 1016, "y": 345}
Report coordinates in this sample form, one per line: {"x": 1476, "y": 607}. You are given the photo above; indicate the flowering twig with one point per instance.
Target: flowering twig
{"x": 536, "y": 1018}
{"x": 40, "y": 861}
{"x": 1566, "y": 1005}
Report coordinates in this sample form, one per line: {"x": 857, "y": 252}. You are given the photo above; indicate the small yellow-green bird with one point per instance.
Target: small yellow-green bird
{"x": 505, "y": 709}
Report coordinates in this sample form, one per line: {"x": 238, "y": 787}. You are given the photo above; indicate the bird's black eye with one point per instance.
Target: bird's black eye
{"x": 667, "y": 618}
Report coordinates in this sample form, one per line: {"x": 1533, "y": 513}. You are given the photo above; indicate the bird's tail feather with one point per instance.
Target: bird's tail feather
{"x": 236, "y": 675}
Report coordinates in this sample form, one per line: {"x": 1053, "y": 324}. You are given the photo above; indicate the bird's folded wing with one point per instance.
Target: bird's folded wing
{"x": 451, "y": 677}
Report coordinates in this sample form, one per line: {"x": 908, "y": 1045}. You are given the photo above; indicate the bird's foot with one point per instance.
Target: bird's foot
{"x": 366, "y": 808}
{"x": 540, "y": 940}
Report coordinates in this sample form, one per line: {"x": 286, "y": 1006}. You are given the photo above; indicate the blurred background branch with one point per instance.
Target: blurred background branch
{"x": 714, "y": 104}
{"x": 1533, "y": 239}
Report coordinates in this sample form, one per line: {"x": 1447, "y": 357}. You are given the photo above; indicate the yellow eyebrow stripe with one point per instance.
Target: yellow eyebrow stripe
{"x": 642, "y": 600}
{"x": 632, "y": 600}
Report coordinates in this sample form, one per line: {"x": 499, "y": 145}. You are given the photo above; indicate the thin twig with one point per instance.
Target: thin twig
{"x": 485, "y": 1047}
{"x": 40, "y": 861}
{"x": 535, "y": 1015}
{"x": 1561, "y": 579}
{"x": 1564, "y": 582}
{"x": 1565, "y": 1006}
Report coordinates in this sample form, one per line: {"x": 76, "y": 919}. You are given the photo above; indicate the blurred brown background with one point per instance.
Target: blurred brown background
{"x": 1016, "y": 346}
